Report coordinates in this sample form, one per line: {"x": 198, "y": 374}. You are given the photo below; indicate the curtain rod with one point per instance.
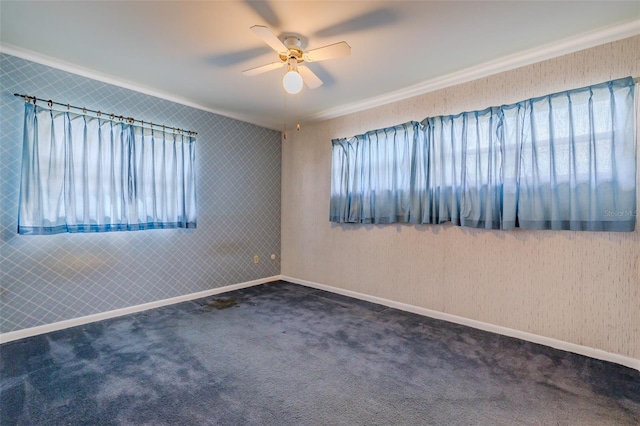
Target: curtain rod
{"x": 112, "y": 117}
{"x": 130, "y": 120}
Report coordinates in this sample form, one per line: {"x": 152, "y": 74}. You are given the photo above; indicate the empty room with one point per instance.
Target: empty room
{"x": 319, "y": 213}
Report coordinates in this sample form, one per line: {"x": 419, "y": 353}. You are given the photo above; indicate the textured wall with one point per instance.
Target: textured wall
{"x": 579, "y": 287}
{"x": 46, "y": 279}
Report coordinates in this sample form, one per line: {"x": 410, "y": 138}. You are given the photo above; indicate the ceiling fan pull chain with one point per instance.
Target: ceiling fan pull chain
{"x": 284, "y": 134}
{"x": 298, "y": 113}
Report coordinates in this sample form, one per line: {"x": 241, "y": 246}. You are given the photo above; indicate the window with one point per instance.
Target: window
{"x": 562, "y": 161}
{"x": 371, "y": 183}
{"x": 87, "y": 174}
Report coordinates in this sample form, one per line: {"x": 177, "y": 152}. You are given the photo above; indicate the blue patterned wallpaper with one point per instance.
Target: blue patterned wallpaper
{"x": 45, "y": 279}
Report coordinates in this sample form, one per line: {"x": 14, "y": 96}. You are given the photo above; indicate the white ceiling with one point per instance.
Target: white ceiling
{"x": 194, "y": 51}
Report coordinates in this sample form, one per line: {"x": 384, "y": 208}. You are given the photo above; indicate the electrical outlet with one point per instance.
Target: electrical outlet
{"x": 256, "y": 259}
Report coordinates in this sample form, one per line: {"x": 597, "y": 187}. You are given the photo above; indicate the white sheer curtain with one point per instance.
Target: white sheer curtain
{"x": 88, "y": 174}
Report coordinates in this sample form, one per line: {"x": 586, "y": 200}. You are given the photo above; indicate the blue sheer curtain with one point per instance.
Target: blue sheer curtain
{"x": 464, "y": 162}
{"x": 562, "y": 161}
{"x": 86, "y": 174}
{"x": 578, "y": 161}
{"x": 370, "y": 179}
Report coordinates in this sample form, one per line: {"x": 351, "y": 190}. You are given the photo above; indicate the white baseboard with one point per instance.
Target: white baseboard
{"x": 534, "y": 338}
{"x": 34, "y": 331}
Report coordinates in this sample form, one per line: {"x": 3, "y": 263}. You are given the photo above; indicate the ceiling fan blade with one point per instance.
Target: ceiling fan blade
{"x": 331, "y": 51}
{"x": 236, "y": 57}
{"x": 370, "y": 20}
{"x": 264, "y": 11}
{"x": 310, "y": 79}
{"x": 270, "y": 38}
{"x": 263, "y": 68}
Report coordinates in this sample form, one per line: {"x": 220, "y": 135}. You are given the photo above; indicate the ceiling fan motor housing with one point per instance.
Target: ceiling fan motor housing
{"x": 295, "y": 49}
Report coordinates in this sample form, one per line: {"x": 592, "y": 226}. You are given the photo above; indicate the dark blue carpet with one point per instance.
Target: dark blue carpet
{"x": 283, "y": 354}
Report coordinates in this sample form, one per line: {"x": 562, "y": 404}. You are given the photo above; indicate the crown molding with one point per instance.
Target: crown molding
{"x": 109, "y": 79}
{"x": 506, "y": 63}
{"x": 528, "y": 57}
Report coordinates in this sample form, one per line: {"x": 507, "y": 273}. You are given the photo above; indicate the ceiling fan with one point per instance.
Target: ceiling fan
{"x": 291, "y": 54}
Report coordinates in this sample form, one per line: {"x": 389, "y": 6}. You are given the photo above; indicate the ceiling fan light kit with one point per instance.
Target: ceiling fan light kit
{"x": 292, "y": 80}
{"x": 290, "y": 52}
